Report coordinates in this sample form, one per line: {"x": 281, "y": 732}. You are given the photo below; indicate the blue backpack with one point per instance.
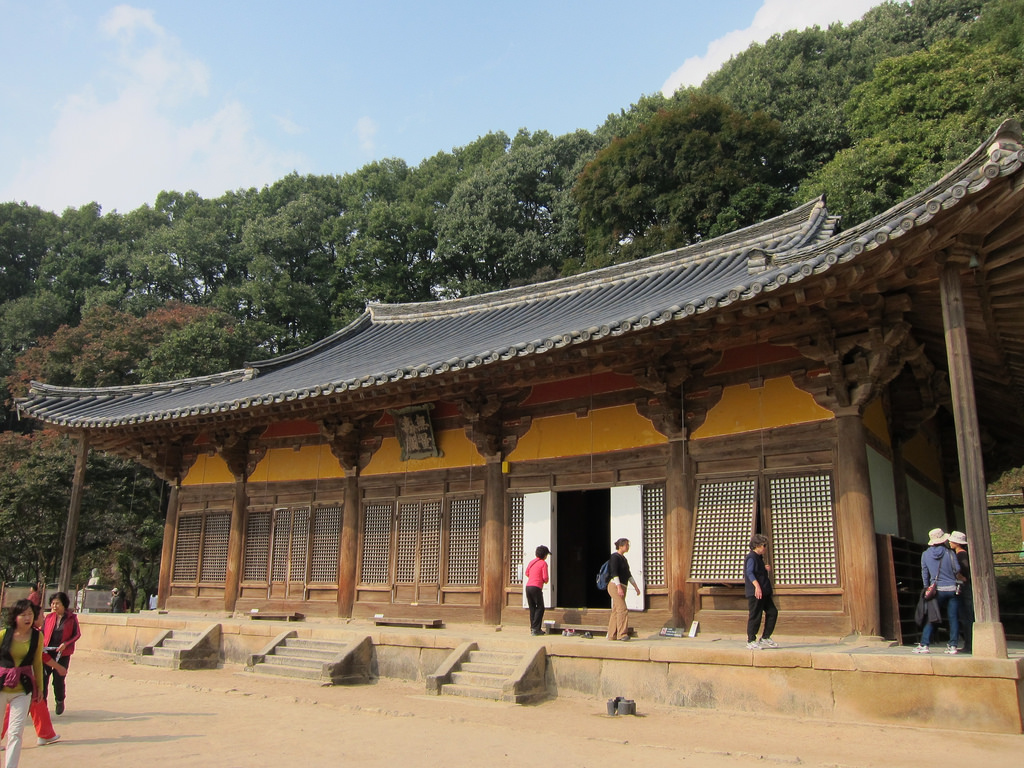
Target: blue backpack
{"x": 602, "y": 576}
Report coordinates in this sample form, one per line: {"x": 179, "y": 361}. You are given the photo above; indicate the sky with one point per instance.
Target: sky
{"x": 114, "y": 103}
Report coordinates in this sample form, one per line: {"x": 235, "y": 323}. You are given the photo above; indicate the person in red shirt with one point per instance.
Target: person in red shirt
{"x": 60, "y": 631}
{"x": 536, "y": 577}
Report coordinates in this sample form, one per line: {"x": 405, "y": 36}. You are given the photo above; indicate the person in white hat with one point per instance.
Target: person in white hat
{"x": 939, "y": 566}
{"x": 958, "y": 543}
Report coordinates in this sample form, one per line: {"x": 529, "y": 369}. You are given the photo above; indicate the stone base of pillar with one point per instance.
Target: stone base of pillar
{"x": 989, "y": 640}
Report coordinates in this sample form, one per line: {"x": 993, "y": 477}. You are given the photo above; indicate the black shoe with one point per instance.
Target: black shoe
{"x": 60, "y": 708}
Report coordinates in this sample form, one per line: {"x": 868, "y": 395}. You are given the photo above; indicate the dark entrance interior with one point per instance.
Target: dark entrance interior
{"x": 584, "y": 532}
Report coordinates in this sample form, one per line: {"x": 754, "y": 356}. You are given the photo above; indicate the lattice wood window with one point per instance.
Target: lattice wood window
{"x": 326, "y": 540}
{"x": 803, "y": 530}
{"x": 418, "y": 543}
{"x": 376, "y": 543}
{"x": 723, "y": 523}
{"x": 653, "y": 513}
{"x": 405, "y": 543}
{"x": 464, "y": 542}
{"x": 256, "y": 563}
{"x": 515, "y": 540}
{"x": 186, "y": 549}
{"x": 299, "y": 550}
{"x": 213, "y": 568}
{"x": 430, "y": 543}
{"x": 279, "y": 547}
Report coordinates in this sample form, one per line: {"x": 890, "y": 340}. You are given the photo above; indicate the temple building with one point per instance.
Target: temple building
{"x": 835, "y": 389}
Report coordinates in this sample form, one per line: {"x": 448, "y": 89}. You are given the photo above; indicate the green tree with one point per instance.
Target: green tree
{"x": 917, "y": 117}
{"x": 514, "y": 221}
{"x": 803, "y": 78}
{"x": 120, "y": 514}
{"x": 27, "y": 233}
{"x": 112, "y": 348}
{"x": 667, "y": 184}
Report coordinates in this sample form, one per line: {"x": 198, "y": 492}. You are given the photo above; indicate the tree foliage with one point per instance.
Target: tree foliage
{"x": 666, "y": 184}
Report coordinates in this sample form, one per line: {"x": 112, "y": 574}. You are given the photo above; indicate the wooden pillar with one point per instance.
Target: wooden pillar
{"x": 167, "y": 552}
{"x": 493, "y": 535}
{"x": 347, "y": 553}
{"x": 74, "y": 510}
{"x": 678, "y": 527}
{"x": 855, "y": 524}
{"x": 236, "y": 538}
{"x": 989, "y": 636}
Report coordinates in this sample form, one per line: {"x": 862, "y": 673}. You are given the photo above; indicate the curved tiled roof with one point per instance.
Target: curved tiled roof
{"x": 389, "y": 343}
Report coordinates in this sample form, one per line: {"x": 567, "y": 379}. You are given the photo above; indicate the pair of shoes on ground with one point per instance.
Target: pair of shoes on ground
{"x": 952, "y": 650}
{"x": 538, "y": 634}
{"x": 764, "y": 642}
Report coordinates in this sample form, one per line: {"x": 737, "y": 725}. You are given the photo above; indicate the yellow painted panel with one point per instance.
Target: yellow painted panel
{"x": 310, "y": 462}
{"x": 745, "y": 409}
{"x": 456, "y": 449}
{"x": 605, "y": 429}
{"x": 876, "y": 423}
{"x": 208, "y": 469}
{"x": 919, "y": 453}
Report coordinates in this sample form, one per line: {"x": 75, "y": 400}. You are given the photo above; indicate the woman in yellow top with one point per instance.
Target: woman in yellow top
{"x": 21, "y": 670}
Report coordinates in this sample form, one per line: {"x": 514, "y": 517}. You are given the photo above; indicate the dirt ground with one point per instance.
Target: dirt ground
{"x": 120, "y": 714}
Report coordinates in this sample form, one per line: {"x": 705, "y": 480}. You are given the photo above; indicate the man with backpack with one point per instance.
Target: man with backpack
{"x": 618, "y": 577}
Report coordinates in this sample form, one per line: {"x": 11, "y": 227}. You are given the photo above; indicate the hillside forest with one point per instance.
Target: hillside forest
{"x": 865, "y": 114}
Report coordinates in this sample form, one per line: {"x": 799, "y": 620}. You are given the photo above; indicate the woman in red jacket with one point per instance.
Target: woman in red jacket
{"x": 60, "y": 631}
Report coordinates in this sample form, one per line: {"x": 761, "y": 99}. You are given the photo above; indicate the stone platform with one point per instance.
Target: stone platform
{"x": 853, "y": 680}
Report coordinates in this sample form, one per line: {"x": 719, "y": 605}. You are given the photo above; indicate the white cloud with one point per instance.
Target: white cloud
{"x": 773, "y": 17}
{"x": 152, "y": 129}
{"x": 366, "y": 131}
{"x": 288, "y": 125}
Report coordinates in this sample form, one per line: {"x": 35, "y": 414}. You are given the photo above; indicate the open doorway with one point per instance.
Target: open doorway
{"x": 582, "y": 541}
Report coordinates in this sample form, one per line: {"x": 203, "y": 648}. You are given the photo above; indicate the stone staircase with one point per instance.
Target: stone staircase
{"x": 517, "y": 676}
{"x": 183, "y": 649}
{"x": 328, "y": 662}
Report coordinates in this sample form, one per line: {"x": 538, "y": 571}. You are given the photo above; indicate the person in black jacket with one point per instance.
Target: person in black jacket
{"x": 618, "y": 577}
{"x": 757, "y": 587}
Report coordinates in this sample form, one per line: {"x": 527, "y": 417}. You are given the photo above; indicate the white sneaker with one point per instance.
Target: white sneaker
{"x": 753, "y": 645}
{"x": 922, "y": 649}
{"x": 44, "y": 742}
{"x": 767, "y": 642}
{"x": 952, "y": 649}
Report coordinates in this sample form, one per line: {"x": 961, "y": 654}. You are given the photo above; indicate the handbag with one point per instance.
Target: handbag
{"x": 931, "y": 591}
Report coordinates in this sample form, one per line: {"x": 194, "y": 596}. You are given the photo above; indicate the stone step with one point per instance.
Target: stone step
{"x": 453, "y": 689}
{"x": 327, "y": 646}
{"x": 177, "y": 643}
{"x": 479, "y": 680}
{"x": 307, "y": 653}
{"x": 495, "y": 657}
{"x": 488, "y": 669}
{"x": 281, "y": 660}
{"x": 287, "y": 671}
{"x": 155, "y": 661}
